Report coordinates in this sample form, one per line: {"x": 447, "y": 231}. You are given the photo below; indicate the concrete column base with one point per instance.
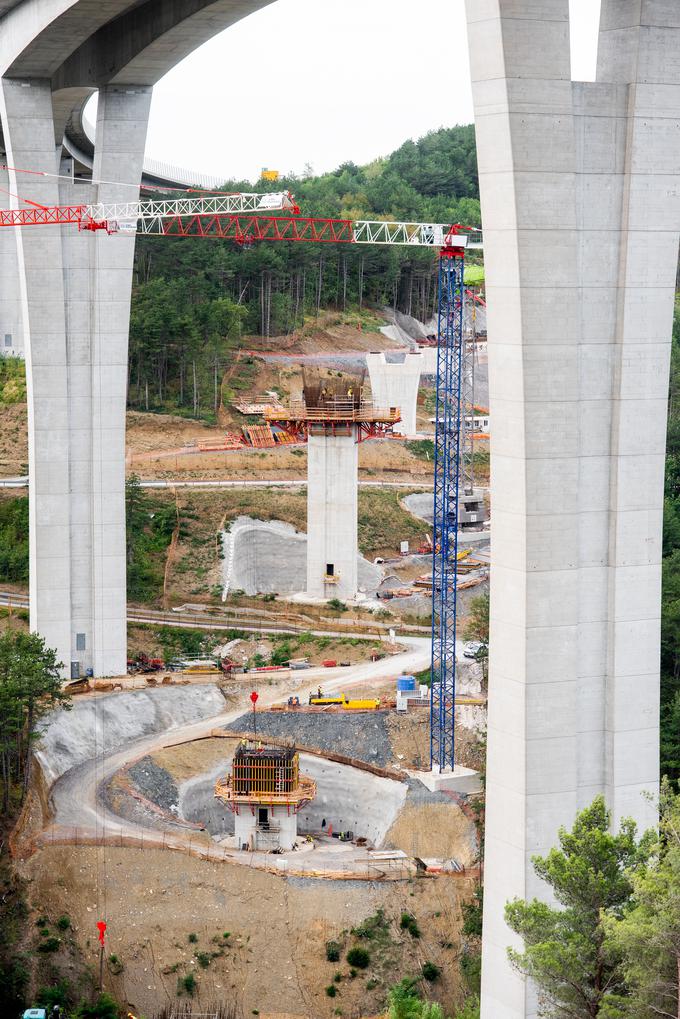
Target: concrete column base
{"x": 456, "y": 780}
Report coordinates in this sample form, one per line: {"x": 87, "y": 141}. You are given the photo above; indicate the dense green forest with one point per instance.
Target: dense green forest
{"x": 195, "y": 300}
{"x": 670, "y": 605}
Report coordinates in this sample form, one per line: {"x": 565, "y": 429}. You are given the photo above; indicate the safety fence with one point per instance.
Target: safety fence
{"x": 363, "y": 867}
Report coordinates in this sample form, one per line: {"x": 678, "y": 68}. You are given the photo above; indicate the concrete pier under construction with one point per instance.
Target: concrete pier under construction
{"x": 332, "y": 526}
{"x": 395, "y": 384}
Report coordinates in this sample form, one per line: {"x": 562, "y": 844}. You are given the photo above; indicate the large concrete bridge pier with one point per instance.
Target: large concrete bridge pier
{"x": 65, "y": 296}
{"x": 580, "y": 189}
{"x": 75, "y": 305}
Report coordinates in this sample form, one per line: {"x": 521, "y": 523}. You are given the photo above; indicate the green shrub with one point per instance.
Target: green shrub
{"x": 372, "y": 926}
{"x": 50, "y": 944}
{"x": 64, "y": 922}
{"x": 203, "y": 959}
{"x": 358, "y": 957}
{"x": 104, "y": 1008}
{"x": 187, "y": 984}
{"x": 421, "y": 448}
{"x": 472, "y": 915}
{"x": 115, "y": 965}
{"x": 332, "y": 951}
{"x": 192, "y": 938}
{"x": 339, "y": 606}
{"x": 409, "y": 923}
{"x": 331, "y": 990}
{"x": 60, "y": 994}
{"x": 14, "y": 546}
{"x": 471, "y": 968}
{"x": 338, "y": 977}
{"x": 430, "y": 971}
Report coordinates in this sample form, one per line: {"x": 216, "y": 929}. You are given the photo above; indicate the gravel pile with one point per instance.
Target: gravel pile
{"x": 362, "y": 735}
{"x": 154, "y": 783}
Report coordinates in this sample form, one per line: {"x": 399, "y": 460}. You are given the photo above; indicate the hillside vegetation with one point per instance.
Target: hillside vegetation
{"x": 196, "y": 302}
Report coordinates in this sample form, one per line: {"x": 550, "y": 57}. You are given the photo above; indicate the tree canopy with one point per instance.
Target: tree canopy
{"x": 194, "y": 300}
{"x": 647, "y": 937}
{"x": 566, "y": 950}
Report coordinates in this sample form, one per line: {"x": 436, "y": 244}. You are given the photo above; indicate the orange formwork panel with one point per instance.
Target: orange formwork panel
{"x": 259, "y": 436}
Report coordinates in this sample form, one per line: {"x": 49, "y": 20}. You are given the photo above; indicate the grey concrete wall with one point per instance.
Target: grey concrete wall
{"x": 26, "y": 111}
{"x": 10, "y": 299}
{"x": 581, "y": 224}
{"x": 75, "y": 297}
{"x": 395, "y": 384}
{"x": 332, "y": 487}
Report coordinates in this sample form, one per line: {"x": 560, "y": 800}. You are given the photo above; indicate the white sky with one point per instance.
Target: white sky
{"x": 304, "y": 81}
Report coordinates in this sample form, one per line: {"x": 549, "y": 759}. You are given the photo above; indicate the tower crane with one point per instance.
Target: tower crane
{"x": 246, "y": 218}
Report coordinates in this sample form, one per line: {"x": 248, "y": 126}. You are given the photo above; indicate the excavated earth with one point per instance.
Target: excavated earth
{"x": 168, "y": 912}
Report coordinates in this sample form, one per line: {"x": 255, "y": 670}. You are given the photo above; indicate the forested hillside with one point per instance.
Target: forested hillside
{"x": 670, "y": 607}
{"x": 194, "y": 300}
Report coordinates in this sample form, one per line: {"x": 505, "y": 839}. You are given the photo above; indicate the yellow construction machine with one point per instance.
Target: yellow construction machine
{"x": 341, "y": 700}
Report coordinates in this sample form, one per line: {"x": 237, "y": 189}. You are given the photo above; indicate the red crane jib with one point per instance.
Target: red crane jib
{"x": 246, "y": 229}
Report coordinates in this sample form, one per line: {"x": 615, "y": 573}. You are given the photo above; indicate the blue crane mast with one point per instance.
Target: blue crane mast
{"x": 447, "y": 473}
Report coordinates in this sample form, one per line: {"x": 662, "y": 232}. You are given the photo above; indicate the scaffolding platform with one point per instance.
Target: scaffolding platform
{"x": 265, "y": 776}
{"x": 334, "y": 410}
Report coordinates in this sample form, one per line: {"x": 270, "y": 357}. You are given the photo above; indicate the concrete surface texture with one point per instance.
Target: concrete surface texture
{"x": 75, "y": 293}
{"x": 11, "y": 326}
{"x": 96, "y": 726}
{"x": 332, "y": 505}
{"x": 270, "y": 556}
{"x": 349, "y": 799}
{"x": 581, "y": 217}
{"x": 279, "y": 831}
{"x": 396, "y": 384}
{"x": 65, "y": 296}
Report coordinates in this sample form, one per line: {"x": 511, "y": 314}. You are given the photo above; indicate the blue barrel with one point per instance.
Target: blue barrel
{"x": 406, "y": 683}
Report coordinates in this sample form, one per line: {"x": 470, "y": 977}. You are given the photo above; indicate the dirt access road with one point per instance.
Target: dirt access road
{"x": 75, "y": 798}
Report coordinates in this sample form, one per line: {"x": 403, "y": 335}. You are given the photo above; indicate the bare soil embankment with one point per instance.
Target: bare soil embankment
{"x": 274, "y": 959}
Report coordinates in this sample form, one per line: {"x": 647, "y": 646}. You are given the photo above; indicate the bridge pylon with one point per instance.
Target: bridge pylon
{"x": 74, "y": 296}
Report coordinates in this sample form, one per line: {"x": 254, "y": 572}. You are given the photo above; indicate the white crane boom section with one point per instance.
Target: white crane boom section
{"x": 425, "y": 235}
{"x": 212, "y": 205}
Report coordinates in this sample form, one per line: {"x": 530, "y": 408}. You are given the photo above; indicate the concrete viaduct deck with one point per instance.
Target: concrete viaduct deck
{"x": 581, "y": 213}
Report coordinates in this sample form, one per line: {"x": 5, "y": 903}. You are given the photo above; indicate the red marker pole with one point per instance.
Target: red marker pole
{"x": 253, "y": 698}
{"x": 101, "y": 927}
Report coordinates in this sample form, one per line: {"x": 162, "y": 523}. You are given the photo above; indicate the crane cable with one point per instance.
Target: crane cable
{"x": 96, "y": 182}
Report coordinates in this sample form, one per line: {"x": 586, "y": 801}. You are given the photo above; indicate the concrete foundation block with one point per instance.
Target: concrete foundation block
{"x": 456, "y": 780}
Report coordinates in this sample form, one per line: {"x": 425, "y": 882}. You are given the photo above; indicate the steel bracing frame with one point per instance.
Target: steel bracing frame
{"x": 142, "y": 217}
{"x": 246, "y": 229}
{"x": 447, "y": 477}
{"x": 467, "y": 453}
{"x": 424, "y": 235}
{"x": 240, "y": 217}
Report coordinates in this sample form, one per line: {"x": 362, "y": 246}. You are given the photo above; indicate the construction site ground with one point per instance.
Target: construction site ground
{"x": 274, "y": 957}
